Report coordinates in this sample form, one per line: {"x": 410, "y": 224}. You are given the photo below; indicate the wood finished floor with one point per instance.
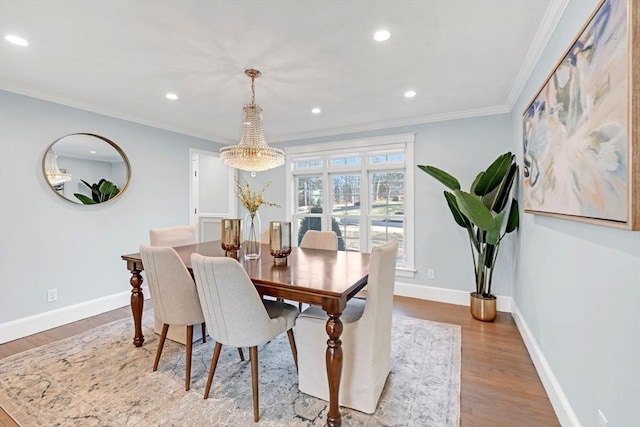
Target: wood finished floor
{"x": 499, "y": 385}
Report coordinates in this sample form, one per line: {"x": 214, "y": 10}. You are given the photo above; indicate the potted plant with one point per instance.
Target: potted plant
{"x": 488, "y": 212}
{"x": 100, "y": 192}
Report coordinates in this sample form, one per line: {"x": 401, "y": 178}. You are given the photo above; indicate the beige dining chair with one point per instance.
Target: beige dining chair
{"x": 314, "y": 239}
{"x": 237, "y": 316}
{"x": 175, "y": 298}
{"x": 366, "y": 339}
{"x": 179, "y": 235}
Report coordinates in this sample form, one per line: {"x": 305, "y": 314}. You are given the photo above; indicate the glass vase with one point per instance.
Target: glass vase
{"x": 251, "y": 235}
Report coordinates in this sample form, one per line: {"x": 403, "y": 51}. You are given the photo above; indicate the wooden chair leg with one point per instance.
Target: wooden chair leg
{"x": 204, "y": 333}
{"x": 253, "y": 353}
{"x": 163, "y": 336}
{"x": 241, "y": 354}
{"x": 294, "y": 349}
{"x": 212, "y": 369}
{"x": 187, "y": 359}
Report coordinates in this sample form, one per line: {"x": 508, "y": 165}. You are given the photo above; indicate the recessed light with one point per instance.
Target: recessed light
{"x": 16, "y": 40}
{"x": 92, "y": 151}
{"x": 410, "y": 94}
{"x": 172, "y": 96}
{"x": 381, "y": 35}
{"x": 316, "y": 110}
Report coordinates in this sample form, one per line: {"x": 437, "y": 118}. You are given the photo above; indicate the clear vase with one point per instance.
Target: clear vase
{"x": 251, "y": 235}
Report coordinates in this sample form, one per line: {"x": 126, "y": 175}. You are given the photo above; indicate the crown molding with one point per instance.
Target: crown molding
{"x": 110, "y": 113}
{"x": 387, "y": 124}
{"x": 545, "y": 30}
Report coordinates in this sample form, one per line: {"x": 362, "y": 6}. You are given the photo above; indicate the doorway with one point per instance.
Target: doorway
{"x": 211, "y": 193}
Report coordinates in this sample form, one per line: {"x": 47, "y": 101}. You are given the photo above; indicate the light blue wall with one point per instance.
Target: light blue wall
{"x": 47, "y": 242}
{"x": 578, "y": 285}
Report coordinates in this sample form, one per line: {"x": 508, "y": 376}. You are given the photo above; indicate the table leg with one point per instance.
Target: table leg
{"x": 334, "y": 367}
{"x": 137, "y": 302}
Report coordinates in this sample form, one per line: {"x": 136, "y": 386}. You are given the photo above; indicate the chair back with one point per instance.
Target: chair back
{"x": 173, "y": 236}
{"x": 379, "y": 303}
{"x": 232, "y": 308}
{"x": 314, "y": 239}
{"x": 175, "y": 298}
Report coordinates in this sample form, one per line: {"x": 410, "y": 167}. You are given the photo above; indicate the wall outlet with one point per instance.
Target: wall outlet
{"x": 602, "y": 420}
{"x": 52, "y": 295}
{"x": 431, "y": 274}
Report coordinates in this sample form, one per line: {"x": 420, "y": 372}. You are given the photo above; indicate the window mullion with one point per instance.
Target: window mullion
{"x": 364, "y": 208}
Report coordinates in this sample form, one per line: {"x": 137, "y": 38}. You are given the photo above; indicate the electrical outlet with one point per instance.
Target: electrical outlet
{"x": 602, "y": 420}
{"x": 52, "y": 295}
{"x": 431, "y": 274}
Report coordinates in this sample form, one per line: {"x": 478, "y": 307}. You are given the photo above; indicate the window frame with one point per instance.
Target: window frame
{"x": 363, "y": 148}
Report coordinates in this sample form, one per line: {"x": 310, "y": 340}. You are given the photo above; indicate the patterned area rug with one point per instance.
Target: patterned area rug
{"x": 99, "y": 378}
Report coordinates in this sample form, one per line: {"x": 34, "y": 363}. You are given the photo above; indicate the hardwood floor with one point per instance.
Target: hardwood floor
{"x": 499, "y": 385}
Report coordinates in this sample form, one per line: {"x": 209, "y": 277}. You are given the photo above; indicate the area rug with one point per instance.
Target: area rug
{"x": 99, "y": 378}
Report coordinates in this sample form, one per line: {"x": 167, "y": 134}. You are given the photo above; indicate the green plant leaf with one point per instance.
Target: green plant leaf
{"x": 504, "y": 189}
{"x": 472, "y": 189}
{"x": 458, "y": 216}
{"x": 514, "y": 217}
{"x": 84, "y": 199}
{"x": 493, "y": 234}
{"x": 473, "y": 209}
{"x": 494, "y": 174}
{"x": 449, "y": 181}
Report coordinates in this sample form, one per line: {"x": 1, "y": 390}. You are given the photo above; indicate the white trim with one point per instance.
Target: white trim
{"x": 558, "y": 399}
{"x": 554, "y": 12}
{"x": 20, "y": 328}
{"x": 374, "y": 143}
{"x": 449, "y": 296}
{"x": 388, "y": 124}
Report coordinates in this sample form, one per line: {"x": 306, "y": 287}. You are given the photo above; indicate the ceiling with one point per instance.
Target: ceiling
{"x": 462, "y": 57}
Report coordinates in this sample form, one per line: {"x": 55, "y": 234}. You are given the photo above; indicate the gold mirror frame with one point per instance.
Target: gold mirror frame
{"x": 50, "y": 169}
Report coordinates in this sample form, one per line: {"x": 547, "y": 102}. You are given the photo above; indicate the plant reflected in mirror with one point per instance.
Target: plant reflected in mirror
{"x": 86, "y": 169}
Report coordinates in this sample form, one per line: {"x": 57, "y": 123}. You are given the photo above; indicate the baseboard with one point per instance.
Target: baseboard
{"x": 558, "y": 399}
{"x": 25, "y": 326}
{"x": 450, "y": 296}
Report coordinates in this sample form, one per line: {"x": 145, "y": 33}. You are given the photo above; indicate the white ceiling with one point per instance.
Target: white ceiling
{"x": 462, "y": 57}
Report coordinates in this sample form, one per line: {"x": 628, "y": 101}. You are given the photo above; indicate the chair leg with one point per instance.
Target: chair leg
{"x": 204, "y": 333}
{"x": 294, "y": 349}
{"x": 241, "y": 354}
{"x": 212, "y": 369}
{"x": 253, "y": 353}
{"x": 187, "y": 358}
{"x": 163, "y": 336}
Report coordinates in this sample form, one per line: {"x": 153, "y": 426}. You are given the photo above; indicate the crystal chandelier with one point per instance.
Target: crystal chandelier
{"x": 54, "y": 175}
{"x": 252, "y": 153}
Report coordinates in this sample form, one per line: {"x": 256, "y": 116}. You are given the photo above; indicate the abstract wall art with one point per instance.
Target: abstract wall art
{"x": 581, "y": 157}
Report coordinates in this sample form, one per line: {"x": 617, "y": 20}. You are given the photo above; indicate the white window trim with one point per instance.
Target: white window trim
{"x": 361, "y": 147}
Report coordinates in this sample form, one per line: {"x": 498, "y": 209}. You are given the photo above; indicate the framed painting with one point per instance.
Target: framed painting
{"x": 580, "y": 132}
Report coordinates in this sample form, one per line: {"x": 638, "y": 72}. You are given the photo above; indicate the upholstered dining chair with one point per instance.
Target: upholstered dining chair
{"x": 237, "y": 316}
{"x": 179, "y": 235}
{"x": 366, "y": 339}
{"x": 175, "y": 298}
{"x": 314, "y": 239}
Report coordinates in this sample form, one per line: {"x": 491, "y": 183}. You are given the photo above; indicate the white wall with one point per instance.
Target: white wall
{"x": 578, "y": 285}
{"x": 47, "y": 242}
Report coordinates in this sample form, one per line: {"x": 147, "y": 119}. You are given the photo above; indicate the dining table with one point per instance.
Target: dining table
{"x": 313, "y": 276}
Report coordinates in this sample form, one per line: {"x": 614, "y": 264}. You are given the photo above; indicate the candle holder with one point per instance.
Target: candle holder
{"x": 280, "y": 241}
{"x": 231, "y": 236}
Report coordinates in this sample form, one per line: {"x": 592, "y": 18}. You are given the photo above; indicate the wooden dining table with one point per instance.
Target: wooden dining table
{"x": 318, "y": 277}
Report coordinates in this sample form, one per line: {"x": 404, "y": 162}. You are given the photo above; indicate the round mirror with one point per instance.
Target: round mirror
{"x": 86, "y": 169}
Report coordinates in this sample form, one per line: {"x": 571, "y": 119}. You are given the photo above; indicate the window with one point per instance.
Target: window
{"x": 363, "y": 193}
